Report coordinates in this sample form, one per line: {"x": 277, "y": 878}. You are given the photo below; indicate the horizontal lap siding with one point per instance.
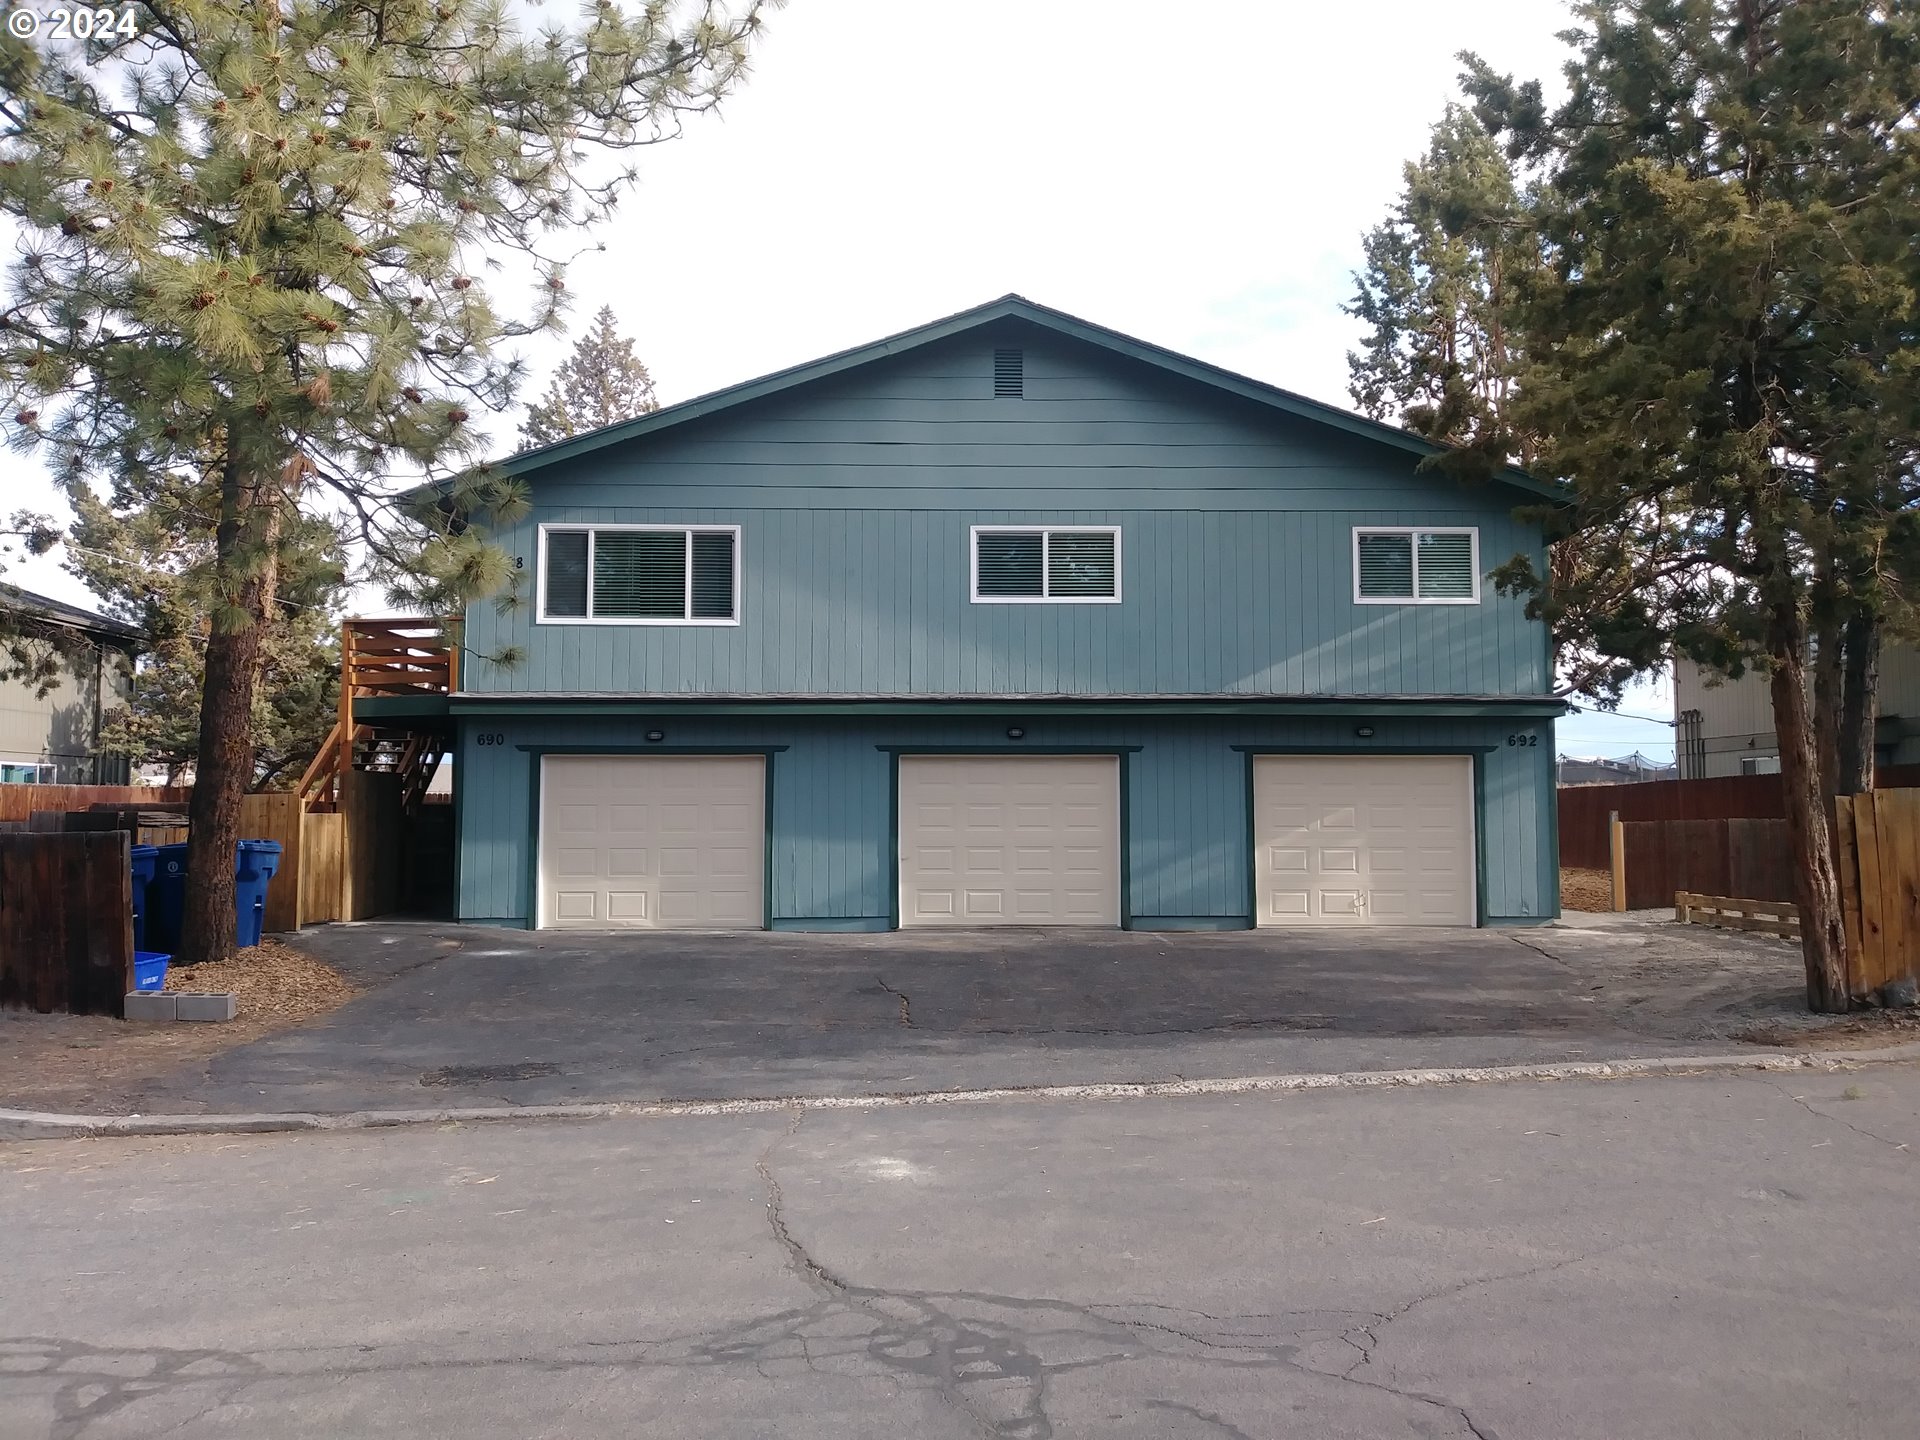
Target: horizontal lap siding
{"x": 1187, "y": 814}
{"x": 855, "y": 499}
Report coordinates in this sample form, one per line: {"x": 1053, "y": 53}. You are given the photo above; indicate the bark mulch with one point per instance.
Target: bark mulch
{"x": 93, "y": 1063}
{"x": 1583, "y": 889}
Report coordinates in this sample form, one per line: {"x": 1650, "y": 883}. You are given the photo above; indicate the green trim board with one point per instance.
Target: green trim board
{"x": 1475, "y": 755}
{"x": 401, "y": 707}
{"x": 1523, "y": 707}
{"x": 1017, "y": 309}
{"x": 1550, "y": 763}
{"x": 1177, "y": 924}
{"x": 537, "y": 754}
{"x": 833, "y": 925}
{"x": 1013, "y": 749}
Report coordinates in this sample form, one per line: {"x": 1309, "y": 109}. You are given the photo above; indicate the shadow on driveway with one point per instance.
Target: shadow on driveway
{"x": 459, "y": 1016}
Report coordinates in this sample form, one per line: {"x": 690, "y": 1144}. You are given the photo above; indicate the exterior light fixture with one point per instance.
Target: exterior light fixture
{"x": 1365, "y": 732}
{"x": 656, "y": 736}
{"x": 1014, "y": 732}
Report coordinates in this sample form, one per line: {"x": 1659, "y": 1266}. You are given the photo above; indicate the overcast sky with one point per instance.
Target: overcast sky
{"x": 1196, "y": 176}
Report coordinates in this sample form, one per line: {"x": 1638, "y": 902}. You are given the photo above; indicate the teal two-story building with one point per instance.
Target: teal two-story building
{"x": 1006, "y": 620}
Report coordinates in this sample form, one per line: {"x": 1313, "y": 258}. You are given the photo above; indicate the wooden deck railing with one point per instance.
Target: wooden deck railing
{"x": 405, "y": 655}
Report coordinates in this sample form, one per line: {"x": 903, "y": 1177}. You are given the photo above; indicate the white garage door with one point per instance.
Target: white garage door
{"x": 650, "y": 842}
{"x": 1363, "y": 839}
{"x": 1027, "y": 840}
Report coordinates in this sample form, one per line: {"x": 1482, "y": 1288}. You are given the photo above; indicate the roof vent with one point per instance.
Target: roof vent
{"x": 1009, "y": 373}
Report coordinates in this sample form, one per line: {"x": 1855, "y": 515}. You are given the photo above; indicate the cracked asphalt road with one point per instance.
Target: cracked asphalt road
{"x": 1707, "y": 1257}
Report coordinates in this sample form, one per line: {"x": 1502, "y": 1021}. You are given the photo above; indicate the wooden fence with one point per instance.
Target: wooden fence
{"x": 315, "y": 881}
{"x": 1769, "y": 917}
{"x": 66, "y": 922}
{"x": 1878, "y": 841}
{"x": 1746, "y": 858}
{"x": 19, "y": 802}
{"x": 1584, "y": 808}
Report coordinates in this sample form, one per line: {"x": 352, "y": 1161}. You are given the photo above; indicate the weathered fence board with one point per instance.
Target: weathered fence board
{"x": 1584, "y": 808}
{"x": 1748, "y": 858}
{"x": 66, "y": 922}
{"x": 1879, "y": 845}
{"x": 1727, "y": 913}
{"x": 17, "y": 802}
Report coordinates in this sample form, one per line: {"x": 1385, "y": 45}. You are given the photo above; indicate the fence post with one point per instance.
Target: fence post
{"x": 1617, "y": 853}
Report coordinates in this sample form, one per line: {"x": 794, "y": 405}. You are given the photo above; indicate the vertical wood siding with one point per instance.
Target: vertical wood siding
{"x": 1187, "y": 815}
{"x": 855, "y": 497}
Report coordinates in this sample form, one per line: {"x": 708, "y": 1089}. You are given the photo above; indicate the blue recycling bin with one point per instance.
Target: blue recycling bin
{"x": 144, "y": 859}
{"x": 150, "y": 970}
{"x": 255, "y": 862}
{"x": 166, "y": 898}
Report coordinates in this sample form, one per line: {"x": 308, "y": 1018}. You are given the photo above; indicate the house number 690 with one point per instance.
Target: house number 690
{"x": 489, "y": 737}
{"x": 1523, "y": 739}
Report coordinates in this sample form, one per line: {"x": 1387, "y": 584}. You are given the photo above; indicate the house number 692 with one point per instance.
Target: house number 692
{"x": 1523, "y": 739}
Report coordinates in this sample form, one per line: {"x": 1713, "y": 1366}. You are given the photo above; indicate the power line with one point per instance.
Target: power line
{"x": 1624, "y": 715}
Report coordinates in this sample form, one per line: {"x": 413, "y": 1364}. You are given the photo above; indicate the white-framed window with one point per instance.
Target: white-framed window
{"x": 1416, "y": 565}
{"x": 28, "y": 773}
{"x": 639, "y": 575}
{"x": 1045, "y": 564}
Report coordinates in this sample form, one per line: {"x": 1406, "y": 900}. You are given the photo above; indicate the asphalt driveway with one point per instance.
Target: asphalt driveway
{"x": 464, "y": 1016}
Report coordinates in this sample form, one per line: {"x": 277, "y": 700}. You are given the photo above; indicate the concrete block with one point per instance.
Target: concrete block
{"x": 205, "y": 1007}
{"x": 149, "y": 1005}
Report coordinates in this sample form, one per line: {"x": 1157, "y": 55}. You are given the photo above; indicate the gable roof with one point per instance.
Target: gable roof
{"x": 49, "y": 611}
{"x": 1007, "y": 307}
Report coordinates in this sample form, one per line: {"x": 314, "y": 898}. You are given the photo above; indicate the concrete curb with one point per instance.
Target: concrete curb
{"x": 40, "y": 1125}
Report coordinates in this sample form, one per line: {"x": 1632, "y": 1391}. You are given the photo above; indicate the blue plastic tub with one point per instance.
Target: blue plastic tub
{"x": 145, "y": 857}
{"x": 149, "y": 969}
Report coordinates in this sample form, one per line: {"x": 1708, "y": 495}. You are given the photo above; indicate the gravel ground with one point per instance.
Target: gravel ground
{"x": 94, "y": 1062}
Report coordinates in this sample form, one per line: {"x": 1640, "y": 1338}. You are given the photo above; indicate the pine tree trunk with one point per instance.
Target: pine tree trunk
{"x": 1823, "y": 940}
{"x": 1859, "y": 705}
{"x": 1826, "y": 707}
{"x": 245, "y": 543}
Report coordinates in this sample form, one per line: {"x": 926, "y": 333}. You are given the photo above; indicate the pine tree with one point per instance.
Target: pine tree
{"x": 1726, "y": 327}
{"x": 249, "y": 237}
{"x": 33, "y": 653}
{"x": 1442, "y": 355}
{"x": 153, "y": 567}
{"x": 601, "y": 383}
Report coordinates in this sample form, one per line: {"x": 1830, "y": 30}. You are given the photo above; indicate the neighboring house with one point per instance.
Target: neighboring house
{"x": 54, "y": 739}
{"x": 1725, "y": 727}
{"x": 1632, "y": 770}
{"x": 1009, "y": 619}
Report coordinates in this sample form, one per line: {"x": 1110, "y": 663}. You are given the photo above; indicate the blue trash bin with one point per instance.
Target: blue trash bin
{"x": 166, "y": 897}
{"x": 255, "y": 863}
{"x": 144, "y": 859}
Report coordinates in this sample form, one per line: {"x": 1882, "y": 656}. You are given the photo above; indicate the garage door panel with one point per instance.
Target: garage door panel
{"x": 1026, "y": 840}
{"x": 574, "y": 905}
{"x": 648, "y": 841}
{"x": 1364, "y": 840}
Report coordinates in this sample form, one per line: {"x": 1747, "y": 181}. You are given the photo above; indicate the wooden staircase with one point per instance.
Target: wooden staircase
{"x": 409, "y": 655}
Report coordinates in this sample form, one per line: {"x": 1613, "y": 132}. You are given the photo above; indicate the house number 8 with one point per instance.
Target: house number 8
{"x": 1523, "y": 740}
